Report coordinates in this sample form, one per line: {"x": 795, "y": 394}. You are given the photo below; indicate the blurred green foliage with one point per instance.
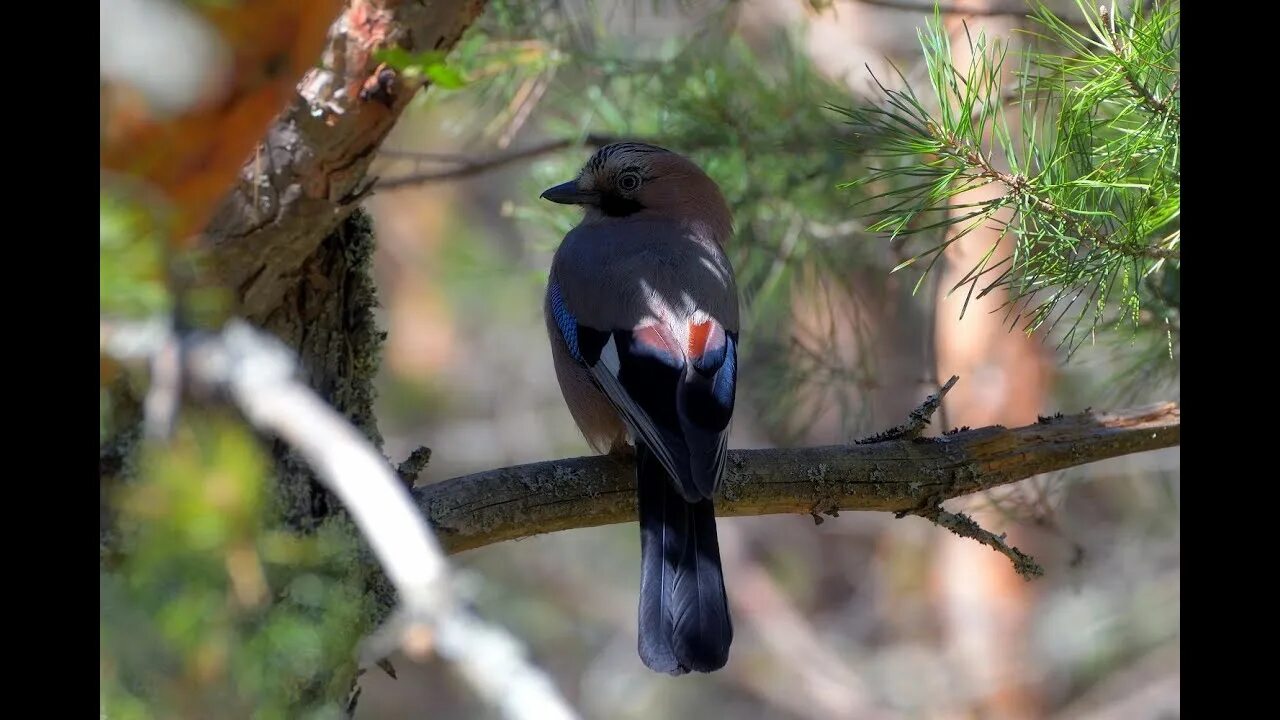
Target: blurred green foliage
{"x": 429, "y": 65}
{"x": 783, "y": 142}
{"x": 215, "y": 611}
{"x": 209, "y": 607}
{"x": 130, "y": 269}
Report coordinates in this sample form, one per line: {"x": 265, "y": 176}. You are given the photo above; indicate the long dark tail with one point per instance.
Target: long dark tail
{"x": 684, "y": 613}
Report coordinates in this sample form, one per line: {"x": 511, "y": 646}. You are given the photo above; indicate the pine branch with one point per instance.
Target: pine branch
{"x": 1021, "y": 191}
{"x": 1092, "y": 178}
{"x": 1140, "y": 91}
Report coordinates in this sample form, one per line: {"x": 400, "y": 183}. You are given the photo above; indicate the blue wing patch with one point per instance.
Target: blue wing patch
{"x": 727, "y": 377}
{"x": 564, "y": 320}
{"x": 584, "y": 343}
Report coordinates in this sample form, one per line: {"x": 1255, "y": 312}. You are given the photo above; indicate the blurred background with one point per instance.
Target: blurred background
{"x": 863, "y": 616}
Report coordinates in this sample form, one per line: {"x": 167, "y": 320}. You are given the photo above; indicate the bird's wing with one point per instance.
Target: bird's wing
{"x": 675, "y": 396}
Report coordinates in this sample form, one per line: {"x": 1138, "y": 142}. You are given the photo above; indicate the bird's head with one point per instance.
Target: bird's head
{"x": 630, "y": 179}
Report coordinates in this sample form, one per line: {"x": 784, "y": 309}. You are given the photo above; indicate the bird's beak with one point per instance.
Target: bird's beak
{"x": 569, "y": 194}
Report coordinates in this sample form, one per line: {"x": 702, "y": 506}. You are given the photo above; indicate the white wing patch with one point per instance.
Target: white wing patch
{"x": 609, "y": 357}
{"x": 605, "y": 373}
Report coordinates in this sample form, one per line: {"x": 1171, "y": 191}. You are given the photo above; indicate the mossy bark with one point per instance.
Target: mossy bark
{"x": 327, "y": 319}
{"x": 290, "y": 244}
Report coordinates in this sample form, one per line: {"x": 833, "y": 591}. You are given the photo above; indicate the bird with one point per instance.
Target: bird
{"x": 641, "y": 308}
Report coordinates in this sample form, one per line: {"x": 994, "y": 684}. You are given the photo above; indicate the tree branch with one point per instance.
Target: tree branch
{"x": 258, "y": 373}
{"x": 467, "y": 167}
{"x": 966, "y": 527}
{"x": 902, "y": 476}
{"x": 1023, "y": 191}
{"x": 917, "y": 420}
{"x": 1140, "y": 91}
{"x": 310, "y": 172}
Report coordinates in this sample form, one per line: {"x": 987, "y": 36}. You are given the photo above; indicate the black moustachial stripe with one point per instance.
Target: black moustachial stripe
{"x": 615, "y": 205}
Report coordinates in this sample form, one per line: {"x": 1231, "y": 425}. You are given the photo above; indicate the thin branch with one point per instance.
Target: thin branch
{"x": 258, "y": 373}
{"x": 966, "y": 527}
{"x": 412, "y": 467}
{"x": 895, "y": 476}
{"x": 1006, "y": 9}
{"x": 953, "y": 8}
{"x": 1020, "y": 189}
{"x": 916, "y": 420}
{"x": 1140, "y": 91}
{"x": 467, "y": 167}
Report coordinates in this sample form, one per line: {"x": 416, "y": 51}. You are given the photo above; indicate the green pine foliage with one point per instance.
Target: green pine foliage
{"x": 1088, "y": 176}
{"x": 835, "y": 197}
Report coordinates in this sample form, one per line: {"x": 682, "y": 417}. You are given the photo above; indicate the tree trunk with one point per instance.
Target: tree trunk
{"x": 288, "y": 240}
{"x": 1006, "y": 378}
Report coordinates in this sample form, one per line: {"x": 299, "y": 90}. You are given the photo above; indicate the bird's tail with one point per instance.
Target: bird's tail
{"x": 684, "y": 613}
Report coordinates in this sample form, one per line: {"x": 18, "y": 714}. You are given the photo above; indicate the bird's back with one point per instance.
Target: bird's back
{"x": 620, "y": 273}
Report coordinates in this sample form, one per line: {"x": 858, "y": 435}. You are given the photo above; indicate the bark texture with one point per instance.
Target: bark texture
{"x": 290, "y": 244}
{"x": 287, "y": 240}
{"x": 327, "y": 318}
{"x": 310, "y": 172}
{"x": 896, "y": 476}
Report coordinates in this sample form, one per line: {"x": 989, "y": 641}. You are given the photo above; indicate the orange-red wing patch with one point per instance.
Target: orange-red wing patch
{"x": 704, "y": 336}
{"x": 657, "y": 337}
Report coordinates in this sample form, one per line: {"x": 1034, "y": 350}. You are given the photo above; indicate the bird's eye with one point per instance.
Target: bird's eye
{"x": 629, "y": 182}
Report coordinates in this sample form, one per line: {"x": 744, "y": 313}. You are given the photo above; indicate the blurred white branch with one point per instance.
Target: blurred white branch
{"x": 258, "y": 373}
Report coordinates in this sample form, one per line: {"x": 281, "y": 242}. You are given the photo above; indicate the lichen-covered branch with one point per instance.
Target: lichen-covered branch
{"x": 895, "y": 476}
{"x": 967, "y": 527}
{"x": 917, "y": 419}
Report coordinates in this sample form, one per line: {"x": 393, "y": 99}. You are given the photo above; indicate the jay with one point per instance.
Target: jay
{"x": 642, "y": 312}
